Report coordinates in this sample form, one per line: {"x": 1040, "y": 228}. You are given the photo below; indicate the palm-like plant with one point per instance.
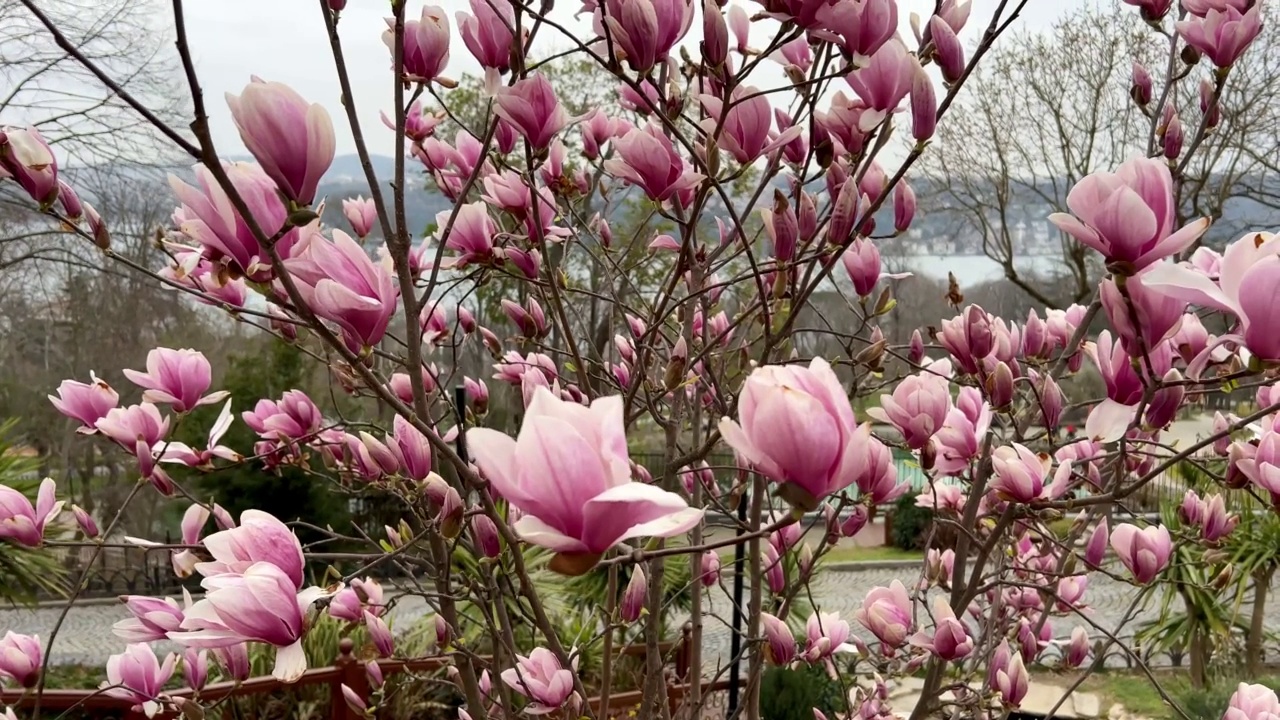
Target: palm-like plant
{"x": 25, "y": 572}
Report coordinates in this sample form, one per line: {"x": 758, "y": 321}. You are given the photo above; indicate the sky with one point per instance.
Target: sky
{"x": 284, "y": 40}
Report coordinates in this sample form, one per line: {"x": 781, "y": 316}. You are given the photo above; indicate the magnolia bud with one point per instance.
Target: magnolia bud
{"x": 634, "y": 596}
{"x": 1173, "y": 138}
{"x": 862, "y": 263}
{"x": 485, "y": 535}
{"x": 393, "y": 537}
{"x": 904, "y": 206}
{"x": 915, "y": 353}
{"x": 710, "y": 568}
{"x": 856, "y": 520}
{"x": 1212, "y": 111}
{"x": 947, "y": 50}
{"x": 1096, "y": 548}
{"x": 807, "y": 217}
{"x": 451, "y": 512}
{"x": 85, "y": 521}
{"x": 715, "y": 35}
{"x": 97, "y": 228}
{"x": 1140, "y": 90}
{"x": 924, "y": 107}
{"x": 1000, "y": 386}
{"x": 444, "y": 635}
{"x": 222, "y": 518}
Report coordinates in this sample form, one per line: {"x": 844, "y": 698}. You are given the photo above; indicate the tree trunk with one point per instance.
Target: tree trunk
{"x": 1253, "y": 644}
{"x": 1199, "y": 649}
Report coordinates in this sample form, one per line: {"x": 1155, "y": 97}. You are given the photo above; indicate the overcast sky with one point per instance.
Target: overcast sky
{"x": 284, "y": 40}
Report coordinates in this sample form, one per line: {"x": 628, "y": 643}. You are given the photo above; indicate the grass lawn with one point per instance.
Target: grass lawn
{"x": 854, "y": 554}
{"x": 1135, "y": 692}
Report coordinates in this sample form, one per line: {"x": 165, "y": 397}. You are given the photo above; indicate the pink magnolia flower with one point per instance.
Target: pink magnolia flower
{"x": 342, "y": 284}
{"x": 1249, "y": 271}
{"x": 138, "y": 675}
{"x": 918, "y": 407}
{"x": 1019, "y": 473}
{"x": 362, "y": 213}
{"x": 410, "y": 449}
{"x": 153, "y": 618}
{"x": 86, "y": 402}
{"x": 177, "y": 378}
{"x": 1109, "y": 419}
{"x": 531, "y": 106}
{"x": 959, "y": 440}
{"x": 940, "y": 497}
{"x": 569, "y": 474}
{"x": 291, "y": 138}
{"x": 21, "y": 657}
{"x": 487, "y": 32}
{"x": 1222, "y": 34}
{"x": 710, "y": 568}
{"x": 138, "y": 429}
{"x": 1151, "y": 9}
{"x": 207, "y": 217}
{"x": 1261, "y": 465}
{"x": 1252, "y": 702}
{"x": 26, "y": 157}
{"x": 780, "y": 646}
{"x": 1078, "y": 649}
{"x": 351, "y": 602}
{"x": 745, "y": 123}
{"x": 646, "y": 158}
{"x": 645, "y": 30}
{"x": 513, "y": 367}
{"x": 884, "y": 82}
{"x": 796, "y": 427}
{"x": 260, "y": 538}
{"x": 291, "y": 418}
{"x": 1158, "y": 314}
{"x": 1145, "y": 552}
{"x": 426, "y": 44}
{"x": 825, "y": 634}
{"x": 1009, "y": 677}
{"x": 863, "y": 26}
{"x": 471, "y": 235}
{"x": 262, "y": 604}
{"x": 886, "y": 612}
{"x": 1128, "y": 215}
{"x": 540, "y": 678}
{"x": 950, "y": 639}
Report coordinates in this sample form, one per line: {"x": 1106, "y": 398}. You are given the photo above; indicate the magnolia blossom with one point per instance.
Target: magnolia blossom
{"x": 1128, "y": 215}
{"x": 487, "y": 32}
{"x": 646, "y": 158}
{"x": 26, "y": 157}
{"x": 886, "y": 612}
{"x": 341, "y": 283}
{"x": 825, "y": 634}
{"x": 796, "y": 427}
{"x": 22, "y": 523}
{"x": 531, "y": 106}
{"x": 950, "y": 639}
{"x": 292, "y": 139}
{"x": 1248, "y": 273}
{"x": 260, "y": 538}
{"x": 1145, "y": 552}
{"x": 20, "y": 658}
{"x": 1252, "y": 702}
{"x": 262, "y": 604}
{"x": 540, "y": 678}
{"x": 138, "y": 675}
{"x": 1222, "y": 33}
{"x": 918, "y": 406}
{"x": 153, "y": 618}
{"x": 426, "y": 44}
{"x": 86, "y": 402}
{"x": 569, "y": 474}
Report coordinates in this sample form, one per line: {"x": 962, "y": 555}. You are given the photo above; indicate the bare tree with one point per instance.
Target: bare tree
{"x": 1044, "y": 112}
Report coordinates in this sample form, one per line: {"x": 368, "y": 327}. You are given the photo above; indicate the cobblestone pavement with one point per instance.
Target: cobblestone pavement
{"x": 86, "y": 635}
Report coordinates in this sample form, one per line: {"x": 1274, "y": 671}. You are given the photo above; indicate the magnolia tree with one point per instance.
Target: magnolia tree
{"x": 825, "y": 106}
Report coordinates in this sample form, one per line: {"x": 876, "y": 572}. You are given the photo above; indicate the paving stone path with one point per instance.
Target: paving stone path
{"x": 86, "y": 635}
